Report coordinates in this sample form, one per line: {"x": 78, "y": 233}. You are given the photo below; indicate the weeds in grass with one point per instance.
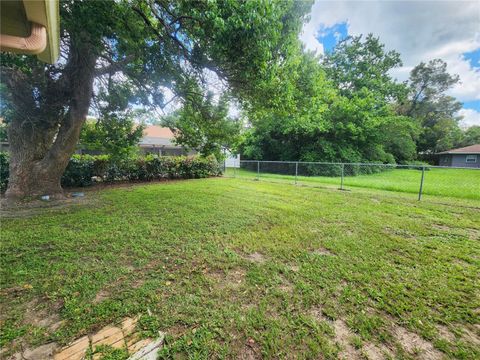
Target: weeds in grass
{"x": 229, "y": 268}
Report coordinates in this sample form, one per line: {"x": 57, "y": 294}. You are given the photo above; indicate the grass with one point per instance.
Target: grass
{"x": 456, "y": 183}
{"x": 230, "y": 268}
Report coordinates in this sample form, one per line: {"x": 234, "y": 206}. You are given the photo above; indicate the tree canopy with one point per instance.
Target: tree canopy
{"x": 116, "y": 55}
{"x": 347, "y": 107}
{"x": 202, "y": 125}
{"x": 120, "y": 53}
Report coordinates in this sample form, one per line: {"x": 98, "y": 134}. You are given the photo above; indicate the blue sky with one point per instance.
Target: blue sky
{"x": 330, "y": 36}
{"x": 418, "y": 30}
{"x": 473, "y": 57}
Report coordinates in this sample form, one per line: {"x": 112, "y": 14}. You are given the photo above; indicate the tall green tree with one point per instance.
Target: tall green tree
{"x": 471, "y": 136}
{"x": 435, "y": 112}
{"x": 203, "y": 125}
{"x": 131, "y": 51}
{"x": 359, "y": 62}
{"x": 336, "y": 110}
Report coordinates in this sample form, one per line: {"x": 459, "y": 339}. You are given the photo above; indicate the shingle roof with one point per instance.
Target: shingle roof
{"x": 158, "y": 131}
{"x": 154, "y": 135}
{"x": 472, "y": 149}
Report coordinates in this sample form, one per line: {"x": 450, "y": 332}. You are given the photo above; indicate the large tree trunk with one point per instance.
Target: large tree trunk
{"x": 40, "y": 144}
{"x": 37, "y": 162}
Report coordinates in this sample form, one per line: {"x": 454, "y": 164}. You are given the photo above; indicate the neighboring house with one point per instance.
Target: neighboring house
{"x": 156, "y": 140}
{"x": 468, "y": 156}
{"x": 159, "y": 140}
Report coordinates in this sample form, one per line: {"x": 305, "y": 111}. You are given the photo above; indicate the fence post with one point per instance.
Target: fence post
{"x": 341, "y": 181}
{"x": 421, "y": 184}
{"x": 235, "y": 167}
{"x": 296, "y": 172}
{"x": 258, "y": 170}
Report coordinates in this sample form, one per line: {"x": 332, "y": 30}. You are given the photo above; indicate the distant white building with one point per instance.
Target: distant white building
{"x": 231, "y": 160}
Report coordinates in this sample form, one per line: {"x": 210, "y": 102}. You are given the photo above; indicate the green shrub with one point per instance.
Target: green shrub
{"x": 82, "y": 168}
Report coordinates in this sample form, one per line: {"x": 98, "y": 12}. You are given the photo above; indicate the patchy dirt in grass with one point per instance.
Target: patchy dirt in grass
{"x": 286, "y": 286}
{"x": 349, "y": 232}
{"x": 251, "y": 351}
{"x": 342, "y": 334}
{"x": 445, "y": 333}
{"x": 46, "y": 351}
{"x": 39, "y": 316}
{"x": 14, "y": 291}
{"x": 232, "y": 278}
{"x": 35, "y": 207}
{"x": 410, "y": 342}
{"x": 399, "y": 232}
{"x": 294, "y": 268}
{"x": 441, "y": 227}
{"x": 101, "y": 296}
{"x": 376, "y": 352}
{"x": 256, "y": 258}
{"x": 176, "y": 331}
{"x": 342, "y": 338}
{"x": 52, "y": 322}
{"x": 470, "y": 336}
{"x": 323, "y": 252}
{"x": 339, "y": 288}
{"x": 317, "y": 313}
{"x": 473, "y": 234}
{"x": 414, "y": 344}
{"x": 137, "y": 283}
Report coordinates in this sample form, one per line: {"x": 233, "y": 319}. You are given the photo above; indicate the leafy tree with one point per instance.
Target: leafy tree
{"x": 399, "y": 136}
{"x": 203, "y": 125}
{"x": 428, "y": 84}
{"x": 339, "y": 111}
{"x": 471, "y": 136}
{"x": 283, "y": 127}
{"x": 113, "y": 134}
{"x": 434, "y": 111}
{"x": 132, "y": 51}
{"x": 359, "y": 63}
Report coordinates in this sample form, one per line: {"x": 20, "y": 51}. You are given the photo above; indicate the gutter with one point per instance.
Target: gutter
{"x": 458, "y": 153}
{"x": 33, "y": 44}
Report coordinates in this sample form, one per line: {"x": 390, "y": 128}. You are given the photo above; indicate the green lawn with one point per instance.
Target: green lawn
{"x": 231, "y": 268}
{"x": 457, "y": 183}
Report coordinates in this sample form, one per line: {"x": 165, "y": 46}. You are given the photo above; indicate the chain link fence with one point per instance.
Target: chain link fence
{"x": 415, "y": 179}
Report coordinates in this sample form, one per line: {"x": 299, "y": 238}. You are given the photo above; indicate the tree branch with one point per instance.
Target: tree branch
{"x": 114, "y": 66}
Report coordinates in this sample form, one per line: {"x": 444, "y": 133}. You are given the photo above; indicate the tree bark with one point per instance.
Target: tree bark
{"x": 41, "y": 141}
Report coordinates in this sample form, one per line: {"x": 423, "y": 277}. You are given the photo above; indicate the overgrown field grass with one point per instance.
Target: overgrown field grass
{"x": 230, "y": 268}
{"x": 457, "y": 183}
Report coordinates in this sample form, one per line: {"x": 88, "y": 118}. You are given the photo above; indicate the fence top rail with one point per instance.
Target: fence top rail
{"x": 361, "y": 164}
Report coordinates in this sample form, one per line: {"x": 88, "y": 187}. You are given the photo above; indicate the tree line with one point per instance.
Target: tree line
{"x": 343, "y": 106}
{"x": 119, "y": 55}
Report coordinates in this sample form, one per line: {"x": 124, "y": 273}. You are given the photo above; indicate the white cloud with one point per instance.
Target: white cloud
{"x": 418, "y": 30}
{"x": 470, "y": 117}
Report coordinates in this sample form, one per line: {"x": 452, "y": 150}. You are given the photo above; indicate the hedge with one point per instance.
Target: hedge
{"x": 83, "y": 170}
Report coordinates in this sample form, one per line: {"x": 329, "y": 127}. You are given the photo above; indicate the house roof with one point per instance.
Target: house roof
{"x": 158, "y": 131}
{"x": 155, "y": 135}
{"x": 472, "y": 149}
